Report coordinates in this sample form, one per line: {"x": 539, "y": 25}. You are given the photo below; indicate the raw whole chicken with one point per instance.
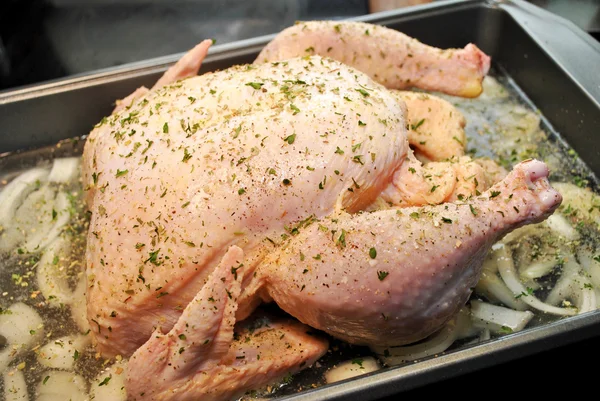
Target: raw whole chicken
{"x": 292, "y": 181}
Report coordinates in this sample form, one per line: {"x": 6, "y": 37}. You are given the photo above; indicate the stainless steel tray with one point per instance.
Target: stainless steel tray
{"x": 554, "y": 63}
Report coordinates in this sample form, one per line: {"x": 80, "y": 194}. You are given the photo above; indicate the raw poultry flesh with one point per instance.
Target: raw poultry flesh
{"x": 265, "y": 182}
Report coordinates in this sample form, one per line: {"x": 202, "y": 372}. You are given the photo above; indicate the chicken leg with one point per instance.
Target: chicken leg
{"x": 386, "y": 55}
{"x": 393, "y": 277}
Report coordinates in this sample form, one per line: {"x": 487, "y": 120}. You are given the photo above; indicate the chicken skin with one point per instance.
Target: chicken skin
{"x": 212, "y": 194}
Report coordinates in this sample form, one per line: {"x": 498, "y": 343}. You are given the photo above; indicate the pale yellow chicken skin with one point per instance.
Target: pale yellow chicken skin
{"x": 215, "y": 193}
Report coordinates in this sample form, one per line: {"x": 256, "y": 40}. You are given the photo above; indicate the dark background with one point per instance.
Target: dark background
{"x": 44, "y": 40}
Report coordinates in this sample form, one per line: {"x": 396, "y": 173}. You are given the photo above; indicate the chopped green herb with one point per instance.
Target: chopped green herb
{"x": 186, "y": 155}
{"x": 121, "y": 173}
{"x": 381, "y": 275}
{"x": 153, "y": 258}
{"x": 358, "y": 159}
{"x": 417, "y": 125}
{"x": 373, "y": 253}
{"x": 359, "y": 362}
{"x": 341, "y": 241}
{"x": 290, "y": 139}
{"x": 255, "y": 85}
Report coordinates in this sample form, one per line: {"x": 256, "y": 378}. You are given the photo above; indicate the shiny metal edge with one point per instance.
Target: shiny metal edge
{"x": 394, "y": 380}
{"x": 562, "y": 40}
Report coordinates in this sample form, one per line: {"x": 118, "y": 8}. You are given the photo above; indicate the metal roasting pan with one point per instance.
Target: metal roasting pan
{"x": 554, "y": 63}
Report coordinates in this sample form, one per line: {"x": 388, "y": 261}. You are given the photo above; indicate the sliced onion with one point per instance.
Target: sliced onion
{"x": 22, "y": 326}
{"x": 485, "y": 335}
{"x": 35, "y": 212}
{"x": 114, "y": 389}
{"x": 64, "y": 170}
{"x": 537, "y": 270}
{"x": 16, "y": 191}
{"x": 52, "y": 276}
{"x": 508, "y": 273}
{"x": 591, "y": 266}
{"x": 52, "y": 228}
{"x": 435, "y": 344}
{"x": 62, "y": 353}
{"x": 349, "y": 369}
{"x": 10, "y": 237}
{"x": 592, "y": 269}
{"x": 583, "y": 200}
{"x": 79, "y": 306}
{"x": 561, "y": 226}
{"x": 494, "y": 289}
{"x": 499, "y": 319}
{"x": 57, "y": 385}
{"x": 573, "y": 284}
{"x": 467, "y": 330}
{"x": 15, "y": 387}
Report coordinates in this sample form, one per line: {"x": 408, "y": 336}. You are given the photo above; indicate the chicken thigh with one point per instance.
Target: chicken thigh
{"x": 212, "y": 194}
